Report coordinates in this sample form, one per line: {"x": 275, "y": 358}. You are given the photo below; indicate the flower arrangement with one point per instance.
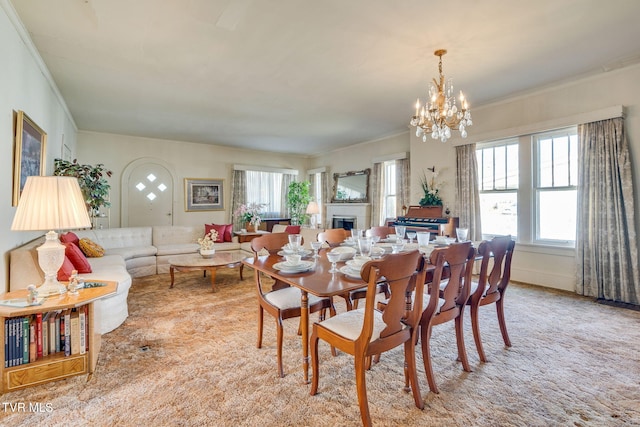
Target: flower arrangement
{"x": 251, "y": 213}
{"x": 206, "y": 242}
{"x": 431, "y": 189}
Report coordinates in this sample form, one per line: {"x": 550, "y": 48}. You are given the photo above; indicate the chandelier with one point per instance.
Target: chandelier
{"x": 440, "y": 113}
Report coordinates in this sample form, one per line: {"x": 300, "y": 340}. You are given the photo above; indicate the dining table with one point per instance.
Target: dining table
{"x": 317, "y": 281}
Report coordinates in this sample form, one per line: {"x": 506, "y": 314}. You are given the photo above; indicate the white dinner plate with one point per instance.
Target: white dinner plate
{"x": 351, "y": 273}
{"x": 345, "y": 252}
{"x": 304, "y": 253}
{"x": 287, "y": 267}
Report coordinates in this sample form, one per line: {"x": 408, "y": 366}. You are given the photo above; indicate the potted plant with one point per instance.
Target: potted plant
{"x": 206, "y": 244}
{"x": 92, "y": 180}
{"x": 250, "y": 214}
{"x": 298, "y": 197}
{"x": 431, "y": 191}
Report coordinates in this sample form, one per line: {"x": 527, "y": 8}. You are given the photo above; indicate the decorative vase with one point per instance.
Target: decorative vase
{"x": 250, "y": 227}
{"x": 207, "y": 253}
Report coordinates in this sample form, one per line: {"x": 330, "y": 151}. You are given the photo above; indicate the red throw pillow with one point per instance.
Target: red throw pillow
{"x": 228, "y": 233}
{"x": 77, "y": 258}
{"x": 65, "y": 271}
{"x": 70, "y": 237}
{"x": 219, "y": 228}
{"x": 292, "y": 229}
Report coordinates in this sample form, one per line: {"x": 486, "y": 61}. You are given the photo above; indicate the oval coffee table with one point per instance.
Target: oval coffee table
{"x": 196, "y": 262}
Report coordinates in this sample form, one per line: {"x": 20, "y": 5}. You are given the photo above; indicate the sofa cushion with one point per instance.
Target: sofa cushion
{"x": 178, "y": 248}
{"x": 133, "y": 252}
{"x": 65, "y": 271}
{"x": 77, "y": 258}
{"x": 292, "y": 229}
{"x": 220, "y": 229}
{"x": 90, "y": 248}
{"x": 69, "y": 237}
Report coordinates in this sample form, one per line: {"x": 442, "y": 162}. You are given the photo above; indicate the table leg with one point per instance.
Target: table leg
{"x": 212, "y": 272}
{"x": 304, "y": 325}
{"x": 171, "y": 268}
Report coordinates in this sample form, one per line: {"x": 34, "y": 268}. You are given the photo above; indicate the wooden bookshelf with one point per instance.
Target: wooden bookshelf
{"x": 54, "y": 366}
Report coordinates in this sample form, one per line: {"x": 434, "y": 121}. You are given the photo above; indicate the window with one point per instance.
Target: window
{"x": 556, "y": 177}
{"x": 528, "y": 187}
{"x": 498, "y": 179}
{"x": 389, "y": 190}
{"x": 265, "y": 188}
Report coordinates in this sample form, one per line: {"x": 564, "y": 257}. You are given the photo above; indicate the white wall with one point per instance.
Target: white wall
{"x": 26, "y": 86}
{"x": 557, "y": 106}
{"x": 185, "y": 159}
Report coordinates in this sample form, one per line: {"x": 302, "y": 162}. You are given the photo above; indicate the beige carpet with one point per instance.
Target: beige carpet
{"x": 573, "y": 362}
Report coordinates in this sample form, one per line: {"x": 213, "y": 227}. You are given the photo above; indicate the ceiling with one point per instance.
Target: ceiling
{"x": 306, "y": 77}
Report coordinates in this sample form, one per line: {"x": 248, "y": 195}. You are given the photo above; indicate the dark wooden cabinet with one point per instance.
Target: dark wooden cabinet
{"x": 420, "y": 218}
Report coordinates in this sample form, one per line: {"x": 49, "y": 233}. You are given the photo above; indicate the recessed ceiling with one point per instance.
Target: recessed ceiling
{"x": 300, "y": 76}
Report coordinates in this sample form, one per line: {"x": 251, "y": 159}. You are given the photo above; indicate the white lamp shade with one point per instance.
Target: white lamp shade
{"x": 312, "y": 208}
{"x": 51, "y": 203}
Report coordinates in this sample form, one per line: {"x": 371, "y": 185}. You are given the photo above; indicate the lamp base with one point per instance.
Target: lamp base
{"x": 50, "y": 259}
{"x": 51, "y": 287}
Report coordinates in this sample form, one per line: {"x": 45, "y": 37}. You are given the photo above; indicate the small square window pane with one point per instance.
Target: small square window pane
{"x": 162, "y": 187}
{"x": 512, "y": 166}
{"x": 151, "y": 196}
{"x": 500, "y": 167}
{"x": 545, "y": 163}
{"x": 556, "y": 215}
{"x": 151, "y": 177}
{"x": 561, "y": 161}
{"x": 140, "y": 186}
{"x": 499, "y": 213}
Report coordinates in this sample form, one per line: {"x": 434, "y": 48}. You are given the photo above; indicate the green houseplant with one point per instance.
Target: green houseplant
{"x": 92, "y": 180}
{"x": 298, "y": 197}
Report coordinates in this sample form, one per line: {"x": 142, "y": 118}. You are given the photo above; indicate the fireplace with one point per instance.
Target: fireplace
{"x": 346, "y": 222}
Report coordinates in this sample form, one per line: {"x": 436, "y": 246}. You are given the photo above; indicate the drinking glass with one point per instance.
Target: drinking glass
{"x": 411, "y": 235}
{"x": 364, "y": 243}
{"x": 400, "y": 230}
{"x": 423, "y": 240}
{"x": 295, "y": 241}
{"x": 333, "y": 258}
{"x": 316, "y": 247}
{"x": 356, "y": 233}
{"x": 397, "y": 247}
{"x": 462, "y": 234}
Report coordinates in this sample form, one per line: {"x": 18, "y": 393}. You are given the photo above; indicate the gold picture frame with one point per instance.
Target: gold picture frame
{"x": 203, "y": 194}
{"x": 29, "y": 153}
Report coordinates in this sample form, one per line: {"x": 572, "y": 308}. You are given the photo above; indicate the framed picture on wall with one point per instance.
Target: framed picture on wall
{"x": 29, "y": 153}
{"x": 203, "y": 194}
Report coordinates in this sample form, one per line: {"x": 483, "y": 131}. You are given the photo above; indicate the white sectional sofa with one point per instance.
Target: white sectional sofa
{"x": 129, "y": 252}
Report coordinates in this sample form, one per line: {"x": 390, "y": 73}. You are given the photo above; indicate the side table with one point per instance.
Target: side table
{"x": 248, "y": 236}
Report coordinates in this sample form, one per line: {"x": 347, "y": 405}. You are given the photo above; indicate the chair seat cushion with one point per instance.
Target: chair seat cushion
{"x": 474, "y": 287}
{"x": 288, "y": 298}
{"x": 349, "y": 324}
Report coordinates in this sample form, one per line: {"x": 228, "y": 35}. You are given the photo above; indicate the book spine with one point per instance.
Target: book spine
{"x": 11, "y": 342}
{"x": 62, "y": 331}
{"x": 6, "y": 343}
{"x": 39, "y": 334}
{"x": 58, "y": 339}
{"x": 52, "y": 332}
{"x": 19, "y": 336}
{"x": 45, "y": 335}
{"x": 83, "y": 331}
{"x": 75, "y": 332}
{"x": 67, "y": 333}
{"x": 86, "y": 326}
{"x": 25, "y": 340}
{"x": 33, "y": 348}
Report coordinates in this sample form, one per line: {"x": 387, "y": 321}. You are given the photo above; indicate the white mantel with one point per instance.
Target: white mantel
{"x": 361, "y": 211}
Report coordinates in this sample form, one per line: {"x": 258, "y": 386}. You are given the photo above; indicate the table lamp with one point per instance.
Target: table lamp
{"x": 51, "y": 203}
{"x": 313, "y": 209}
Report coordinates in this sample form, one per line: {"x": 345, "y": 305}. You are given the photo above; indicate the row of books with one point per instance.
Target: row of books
{"x": 30, "y": 338}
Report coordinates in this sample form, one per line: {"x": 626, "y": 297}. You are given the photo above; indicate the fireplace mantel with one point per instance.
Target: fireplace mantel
{"x": 361, "y": 211}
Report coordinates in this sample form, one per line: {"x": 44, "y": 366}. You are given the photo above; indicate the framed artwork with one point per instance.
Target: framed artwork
{"x": 29, "y": 153}
{"x": 203, "y": 194}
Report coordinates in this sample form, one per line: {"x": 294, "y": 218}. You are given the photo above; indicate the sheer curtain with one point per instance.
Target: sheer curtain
{"x": 286, "y": 180}
{"x": 607, "y": 252}
{"x": 468, "y": 195}
{"x": 376, "y": 194}
{"x": 402, "y": 181}
{"x": 238, "y": 196}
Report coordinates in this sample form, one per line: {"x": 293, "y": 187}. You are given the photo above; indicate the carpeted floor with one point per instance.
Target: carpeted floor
{"x": 187, "y": 357}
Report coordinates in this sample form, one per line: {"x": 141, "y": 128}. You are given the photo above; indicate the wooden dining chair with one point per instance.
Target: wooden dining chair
{"x": 381, "y": 231}
{"x": 367, "y": 331}
{"x": 447, "y": 300}
{"x": 282, "y": 301}
{"x": 333, "y": 236}
{"x": 492, "y": 285}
